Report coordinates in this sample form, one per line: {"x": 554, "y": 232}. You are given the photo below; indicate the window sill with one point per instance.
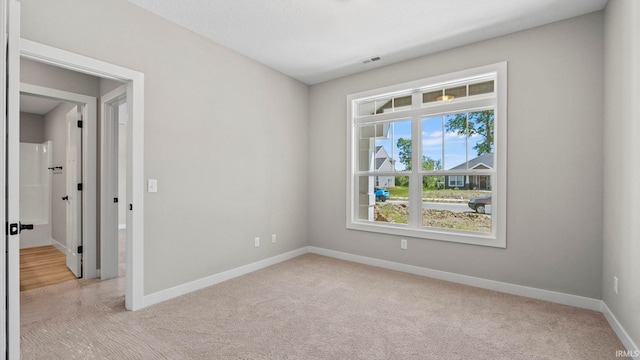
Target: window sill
{"x": 471, "y": 238}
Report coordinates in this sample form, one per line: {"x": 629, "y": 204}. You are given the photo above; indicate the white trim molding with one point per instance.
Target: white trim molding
{"x": 134, "y": 293}
{"x": 534, "y": 293}
{"x": 200, "y": 284}
{"x": 546, "y": 295}
{"x": 627, "y": 341}
{"x": 59, "y": 245}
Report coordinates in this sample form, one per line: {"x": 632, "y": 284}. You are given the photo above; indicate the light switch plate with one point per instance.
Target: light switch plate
{"x": 152, "y": 185}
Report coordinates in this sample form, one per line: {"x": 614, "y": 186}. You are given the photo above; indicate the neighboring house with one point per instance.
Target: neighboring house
{"x": 383, "y": 162}
{"x": 472, "y": 182}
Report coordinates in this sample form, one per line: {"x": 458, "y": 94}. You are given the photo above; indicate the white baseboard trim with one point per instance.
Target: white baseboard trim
{"x": 546, "y": 295}
{"x": 552, "y": 296}
{"x": 628, "y": 343}
{"x": 59, "y": 246}
{"x": 26, "y": 244}
{"x": 196, "y": 285}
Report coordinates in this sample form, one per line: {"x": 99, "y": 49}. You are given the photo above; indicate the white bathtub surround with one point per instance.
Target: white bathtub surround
{"x": 35, "y": 193}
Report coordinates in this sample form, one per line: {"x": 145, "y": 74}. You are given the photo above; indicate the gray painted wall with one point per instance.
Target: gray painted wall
{"x": 32, "y": 128}
{"x": 225, "y": 136}
{"x": 622, "y": 156}
{"x": 555, "y": 154}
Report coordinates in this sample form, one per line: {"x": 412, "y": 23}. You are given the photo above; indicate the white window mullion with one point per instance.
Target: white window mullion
{"x": 415, "y": 180}
{"x": 416, "y": 101}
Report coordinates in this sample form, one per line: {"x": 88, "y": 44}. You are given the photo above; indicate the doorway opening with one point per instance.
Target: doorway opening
{"x": 113, "y": 175}
{"x": 133, "y": 91}
{"x": 50, "y": 172}
{"x": 71, "y": 198}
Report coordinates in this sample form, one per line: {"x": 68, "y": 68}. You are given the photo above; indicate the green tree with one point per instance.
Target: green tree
{"x": 404, "y": 152}
{"x": 430, "y": 182}
{"x": 474, "y": 123}
{"x": 430, "y": 164}
{"x": 402, "y": 181}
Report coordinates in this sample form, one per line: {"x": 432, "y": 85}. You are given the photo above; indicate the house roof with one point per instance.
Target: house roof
{"x": 482, "y": 161}
{"x": 380, "y": 162}
{"x": 381, "y": 152}
{"x": 381, "y": 157}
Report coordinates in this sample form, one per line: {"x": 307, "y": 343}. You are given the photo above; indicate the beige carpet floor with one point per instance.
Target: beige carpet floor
{"x": 310, "y": 307}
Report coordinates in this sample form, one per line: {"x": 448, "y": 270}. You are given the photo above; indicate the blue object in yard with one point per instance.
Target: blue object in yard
{"x": 382, "y": 194}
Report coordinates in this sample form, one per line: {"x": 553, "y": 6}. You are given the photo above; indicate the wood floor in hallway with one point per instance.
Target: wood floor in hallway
{"x": 43, "y": 266}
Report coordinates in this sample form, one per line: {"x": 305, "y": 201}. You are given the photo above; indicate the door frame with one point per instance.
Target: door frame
{"x": 9, "y": 158}
{"x": 89, "y": 159}
{"x": 134, "y": 80}
{"x": 109, "y": 169}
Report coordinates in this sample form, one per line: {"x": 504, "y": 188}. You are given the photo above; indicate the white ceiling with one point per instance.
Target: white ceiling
{"x": 37, "y": 105}
{"x": 319, "y": 40}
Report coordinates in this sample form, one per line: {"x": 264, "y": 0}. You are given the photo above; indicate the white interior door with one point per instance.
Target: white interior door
{"x": 10, "y": 178}
{"x": 74, "y": 191}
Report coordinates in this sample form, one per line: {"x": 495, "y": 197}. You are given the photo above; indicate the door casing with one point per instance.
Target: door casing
{"x": 109, "y": 128}
{"x": 10, "y": 180}
{"x": 134, "y": 80}
{"x": 89, "y": 159}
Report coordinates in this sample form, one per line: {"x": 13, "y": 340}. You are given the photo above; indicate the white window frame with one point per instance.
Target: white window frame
{"x": 496, "y": 101}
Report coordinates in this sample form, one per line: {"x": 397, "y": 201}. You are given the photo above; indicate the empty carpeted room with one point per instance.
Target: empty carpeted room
{"x": 339, "y": 179}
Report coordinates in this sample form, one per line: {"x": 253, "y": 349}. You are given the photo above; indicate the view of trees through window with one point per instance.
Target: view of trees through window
{"x": 427, "y": 158}
{"x": 460, "y": 144}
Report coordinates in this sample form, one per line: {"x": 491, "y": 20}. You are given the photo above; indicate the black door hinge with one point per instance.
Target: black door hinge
{"x": 80, "y": 249}
{"x": 80, "y": 124}
{"x": 80, "y": 187}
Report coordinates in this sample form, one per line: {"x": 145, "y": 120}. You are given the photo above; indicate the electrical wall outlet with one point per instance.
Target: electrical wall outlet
{"x": 615, "y": 284}
{"x": 273, "y": 238}
{"x": 257, "y": 241}
{"x": 403, "y": 244}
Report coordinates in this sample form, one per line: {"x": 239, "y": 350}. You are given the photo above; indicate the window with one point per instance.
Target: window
{"x": 427, "y": 159}
{"x": 456, "y": 181}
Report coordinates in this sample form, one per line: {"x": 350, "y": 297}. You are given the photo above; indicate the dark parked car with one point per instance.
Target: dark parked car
{"x": 479, "y": 204}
